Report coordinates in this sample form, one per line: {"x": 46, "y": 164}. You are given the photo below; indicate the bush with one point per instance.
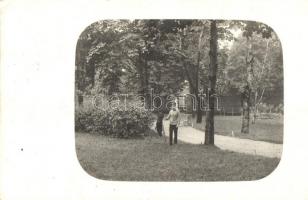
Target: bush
{"x": 117, "y": 121}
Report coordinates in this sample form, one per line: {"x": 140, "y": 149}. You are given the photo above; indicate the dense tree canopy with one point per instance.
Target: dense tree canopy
{"x": 136, "y": 56}
{"x": 165, "y": 52}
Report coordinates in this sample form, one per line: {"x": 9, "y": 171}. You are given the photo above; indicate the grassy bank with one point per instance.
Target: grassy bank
{"x": 151, "y": 159}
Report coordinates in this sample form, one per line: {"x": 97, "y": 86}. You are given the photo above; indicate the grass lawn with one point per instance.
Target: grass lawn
{"x": 269, "y": 130}
{"x": 151, "y": 159}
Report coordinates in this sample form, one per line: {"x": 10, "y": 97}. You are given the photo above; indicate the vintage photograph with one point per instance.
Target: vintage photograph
{"x": 179, "y": 100}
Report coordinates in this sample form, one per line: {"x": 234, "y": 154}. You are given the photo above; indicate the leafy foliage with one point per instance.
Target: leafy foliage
{"x": 117, "y": 121}
{"x": 267, "y": 69}
{"x": 122, "y": 55}
{"x": 134, "y": 56}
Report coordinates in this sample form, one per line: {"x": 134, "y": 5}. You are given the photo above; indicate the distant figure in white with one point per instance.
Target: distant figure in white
{"x": 174, "y": 116}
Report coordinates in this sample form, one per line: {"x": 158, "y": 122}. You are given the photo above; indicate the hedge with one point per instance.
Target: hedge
{"x": 118, "y": 121}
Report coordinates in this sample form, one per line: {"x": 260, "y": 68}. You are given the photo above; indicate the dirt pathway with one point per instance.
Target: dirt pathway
{"x": 194, "y": 136}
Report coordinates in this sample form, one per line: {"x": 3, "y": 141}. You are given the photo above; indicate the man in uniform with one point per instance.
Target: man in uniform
{"x": 174, "y": 116}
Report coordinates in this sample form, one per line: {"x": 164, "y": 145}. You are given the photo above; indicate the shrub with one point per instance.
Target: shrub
{"x": 119, "y": 121}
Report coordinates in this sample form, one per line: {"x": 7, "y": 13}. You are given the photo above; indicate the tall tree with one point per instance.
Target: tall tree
{"x": 209, "y": 126}
{"x": 249, "y": 29}
{"x": 130, "y": 56}
{"x": 192, "y": 61}
{"x": 251, "y": 63}
{"x": 156, "y": 64}
{"x": 192, "y": 37}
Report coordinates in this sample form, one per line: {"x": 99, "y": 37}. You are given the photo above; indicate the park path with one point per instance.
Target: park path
{"x": 194, "y": 136}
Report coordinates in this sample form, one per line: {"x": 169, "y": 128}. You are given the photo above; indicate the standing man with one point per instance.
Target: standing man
{"x": 174, "y": 116}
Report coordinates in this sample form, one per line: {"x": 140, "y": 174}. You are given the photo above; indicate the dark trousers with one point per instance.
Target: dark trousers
{"x": 173, "y": 129}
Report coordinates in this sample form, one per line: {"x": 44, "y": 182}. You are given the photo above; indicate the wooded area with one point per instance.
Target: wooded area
{"x": 210, "y": 57}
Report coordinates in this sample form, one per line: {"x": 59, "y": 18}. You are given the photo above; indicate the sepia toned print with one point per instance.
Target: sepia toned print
{"x": 179, "y": 100}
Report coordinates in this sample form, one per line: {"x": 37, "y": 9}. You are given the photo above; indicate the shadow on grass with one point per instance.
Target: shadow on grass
{"x": 153, "y": 159}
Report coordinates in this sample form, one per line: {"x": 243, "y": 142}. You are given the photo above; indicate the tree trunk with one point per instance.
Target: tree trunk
{"x": 209, "y": 126}
{"x": 245, "y": 110}
{"x": 80, "y": 100}
{"x": 142, "y": 70}
{"x": 192, "y": 77}
{"x": 191, "y": 101}
{"x": 246, "y": 94}
{"x": 255, "y": 108}
{"x": 199, "y": 111}
{"x": 198, "y": 101}
{"x": 146, "y": 85}
{"x": 90, "y": 73}
{"x": 255, "y": 115}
